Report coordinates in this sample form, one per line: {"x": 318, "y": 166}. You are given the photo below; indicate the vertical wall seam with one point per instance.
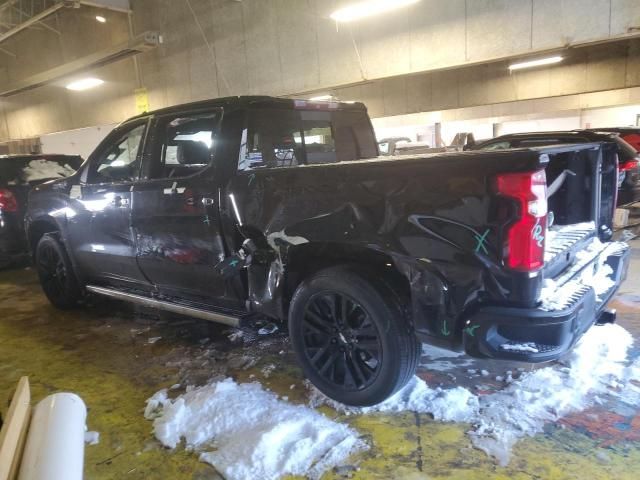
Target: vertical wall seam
{"x": 466, "y": 33}
{"x": 316, "y": 19}
{"x": 531, "y": 27}
{"x": 244, "y": 46}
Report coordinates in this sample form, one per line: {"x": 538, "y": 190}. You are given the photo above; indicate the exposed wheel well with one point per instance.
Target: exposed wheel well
{"x": 38, "y": 229}
{"x": 307, "y": 259}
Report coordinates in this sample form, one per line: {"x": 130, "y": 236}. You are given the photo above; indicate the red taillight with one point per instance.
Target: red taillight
{"x": 525, "y": 237}
{"x": 628, "y": 165}
{"x": 8, "y": 202}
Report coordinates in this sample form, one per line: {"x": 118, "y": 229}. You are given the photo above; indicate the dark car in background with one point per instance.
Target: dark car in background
{"x": 629, "y": 171}
{"x": 18, "y": 173}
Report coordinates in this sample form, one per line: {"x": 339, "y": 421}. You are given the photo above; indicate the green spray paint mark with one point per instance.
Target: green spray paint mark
{"x": 471, "y": 330}
{"x": 481, "y": 239}
{"x": 444, "y": 330}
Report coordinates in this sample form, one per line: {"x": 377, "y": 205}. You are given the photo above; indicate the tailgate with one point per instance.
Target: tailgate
{"x": 581, "y": 195}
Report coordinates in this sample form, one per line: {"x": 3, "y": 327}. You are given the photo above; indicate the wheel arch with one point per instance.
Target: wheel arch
{"x": 37, "y": 228}
{"x": 307, "y": 259}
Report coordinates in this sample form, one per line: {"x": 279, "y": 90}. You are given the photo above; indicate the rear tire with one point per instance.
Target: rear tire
{"x": 56, "y": 274}
{"x": 351, "y": 337}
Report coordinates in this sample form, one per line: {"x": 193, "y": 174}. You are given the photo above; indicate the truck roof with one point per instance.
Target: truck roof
{"x": 261, "y": 101}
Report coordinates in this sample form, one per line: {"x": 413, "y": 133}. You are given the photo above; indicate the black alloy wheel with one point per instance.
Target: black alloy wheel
{"x": 341, "y": 340}
{"x": 351, "y": 335}
{"x": 56, "y": 274}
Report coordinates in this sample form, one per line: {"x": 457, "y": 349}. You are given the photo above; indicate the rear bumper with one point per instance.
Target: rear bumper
{"x": 539, "y": 335}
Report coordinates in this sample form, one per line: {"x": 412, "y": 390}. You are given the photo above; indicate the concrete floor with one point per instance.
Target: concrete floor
{"x": 104, "y": 354}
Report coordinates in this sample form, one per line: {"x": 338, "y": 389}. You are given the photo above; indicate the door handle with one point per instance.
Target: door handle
{"x": 207, "y": 202}
{"x": 118, "y": 201}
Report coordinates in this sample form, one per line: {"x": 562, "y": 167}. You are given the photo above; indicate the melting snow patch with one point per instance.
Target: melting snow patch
{"x": 520, "y": 347}
{"x": 432, "y": 351}
{"x": 246, "y": 432}
{"x": 596, "y": 366}
{"x": 92, "y": 438}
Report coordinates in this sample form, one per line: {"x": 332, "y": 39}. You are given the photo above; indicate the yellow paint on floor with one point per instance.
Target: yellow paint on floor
{"x": 102, "y": 356}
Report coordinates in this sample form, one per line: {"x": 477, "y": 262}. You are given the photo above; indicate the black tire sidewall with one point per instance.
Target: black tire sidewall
{"x": 384, "y": 312}
{"x": 71, "y": 293}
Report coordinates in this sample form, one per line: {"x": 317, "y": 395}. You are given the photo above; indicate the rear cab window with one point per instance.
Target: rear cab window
{"x": 276, "y": 138}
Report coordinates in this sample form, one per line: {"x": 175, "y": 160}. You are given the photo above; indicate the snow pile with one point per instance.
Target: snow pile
{"x": 453, "y": 405}
{"x": 560, "y": 292}
{"x": 45, "y": 170}
{"x": 596, "y": 366}
{"x": 246, "y": 432}
{"x": 522, "y": 409}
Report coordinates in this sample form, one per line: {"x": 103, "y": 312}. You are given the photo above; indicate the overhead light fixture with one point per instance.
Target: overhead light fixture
{"x": 321, "y": 98}
{"x": 369, "y": 8}
{"x": 84, "y": 84}
{"x": 101, "y": 19}
{"x": 536, "y": 63}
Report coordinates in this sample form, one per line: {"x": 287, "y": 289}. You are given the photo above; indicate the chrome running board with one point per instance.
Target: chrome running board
{"x": 166, "y": 306}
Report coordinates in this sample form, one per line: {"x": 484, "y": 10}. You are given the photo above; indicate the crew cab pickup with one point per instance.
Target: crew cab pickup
{"x": 248, "y": 208}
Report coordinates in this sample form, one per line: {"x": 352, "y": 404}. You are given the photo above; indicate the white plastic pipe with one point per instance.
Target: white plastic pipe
{"x": 55, "y": 442}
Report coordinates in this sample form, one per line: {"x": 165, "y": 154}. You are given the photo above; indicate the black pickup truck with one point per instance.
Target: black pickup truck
{"x": 247, "y": 208}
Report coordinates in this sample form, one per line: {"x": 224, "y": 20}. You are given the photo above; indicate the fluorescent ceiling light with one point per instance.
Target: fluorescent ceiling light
{"x": 369, "y": 8}
{"x": 321, "y": 98}
{"x": 535, "y": 63}
{"x": 101, "y": 19}
{"x": 84, "y": 84}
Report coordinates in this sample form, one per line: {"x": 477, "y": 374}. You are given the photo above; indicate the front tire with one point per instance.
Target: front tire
{"x": 351, "y": 337}
{"x": 56, "y": 274}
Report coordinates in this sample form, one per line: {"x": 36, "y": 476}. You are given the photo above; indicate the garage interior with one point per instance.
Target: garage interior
{"x": 431, "y": 72}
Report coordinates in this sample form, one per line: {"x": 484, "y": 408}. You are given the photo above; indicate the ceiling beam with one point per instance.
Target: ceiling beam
{"x": 33, "y": 20}
{"x": 114, "y": 5}
{"x": 141, "y": 43}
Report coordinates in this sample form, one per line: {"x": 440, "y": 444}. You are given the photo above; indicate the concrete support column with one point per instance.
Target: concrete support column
{"x": 438, "y": 134}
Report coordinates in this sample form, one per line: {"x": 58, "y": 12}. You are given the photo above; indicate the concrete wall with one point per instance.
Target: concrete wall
{"x": 284, "y": 47}
{"x": 289, "y": 47}
{"x": 589, "y": 69}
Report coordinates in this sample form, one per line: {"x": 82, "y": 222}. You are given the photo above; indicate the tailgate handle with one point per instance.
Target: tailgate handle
{"x": 207, "y": 202}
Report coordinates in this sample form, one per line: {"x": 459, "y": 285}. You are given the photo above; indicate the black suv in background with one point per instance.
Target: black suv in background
{"x": 629, "y": 171}
{"x": 18, "y": 173}
{"x": 631, "y": 135}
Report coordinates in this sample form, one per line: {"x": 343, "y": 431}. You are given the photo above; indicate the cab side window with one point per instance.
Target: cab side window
{"x": 185, "y": 145}
{"x": 273, "y": 139}
{"x": 277, "y": 138}
{"x": 120, "y": 162}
